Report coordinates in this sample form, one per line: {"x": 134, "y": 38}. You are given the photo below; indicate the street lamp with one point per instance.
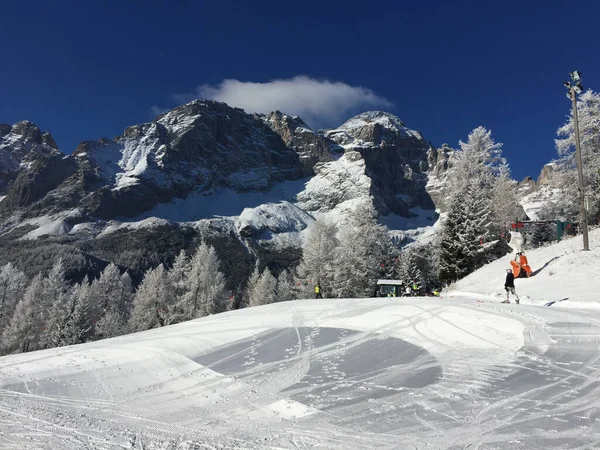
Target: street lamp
{"x": 574, "y": 89}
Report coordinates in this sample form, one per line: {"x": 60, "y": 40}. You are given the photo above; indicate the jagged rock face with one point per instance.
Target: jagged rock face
{"x": 21, "y": 145}
{"x": 36, "y": 183}
{"x": 311, "y": 147}
{"x": 395, "y": 159}
{"x": 336, "y": 182}
{"x": 203, "y": 146}
{"x": 546, "y": 175}
{"x": 439, "y": 160}
{"x": 199, "y": 146}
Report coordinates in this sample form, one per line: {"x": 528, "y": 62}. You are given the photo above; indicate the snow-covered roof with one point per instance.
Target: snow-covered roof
{"x": 390, "y": 282}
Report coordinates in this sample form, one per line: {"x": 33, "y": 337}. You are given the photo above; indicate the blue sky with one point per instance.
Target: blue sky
{"x": 83, "y": 70}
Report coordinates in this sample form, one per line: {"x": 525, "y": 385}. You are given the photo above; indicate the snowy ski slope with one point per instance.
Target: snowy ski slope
{"x": 458, "y": 372}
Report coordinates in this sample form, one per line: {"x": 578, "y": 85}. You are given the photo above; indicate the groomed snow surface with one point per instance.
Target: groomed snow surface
{"x": 458, "y": 372}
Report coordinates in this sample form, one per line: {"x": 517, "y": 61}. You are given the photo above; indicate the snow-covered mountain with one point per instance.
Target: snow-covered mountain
{"x": 258, "y": 179}
{"x": 215, "y": 171}
{"x": 22, "y": 145}
{"x": 457, "y": 372}
{"x": 205, "y": 146}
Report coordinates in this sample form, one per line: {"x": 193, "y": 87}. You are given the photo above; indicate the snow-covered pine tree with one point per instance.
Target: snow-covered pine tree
{"x": 113, "y": 323}
{"x": 364, "y": 244}
{"x": 409, "y": 270}
{"x": 467, "y": 235}
{"x": 588, "y": 110}
{"x": 53, "y": 305}
{"x": 285, "y": 287}
{"x": 318, "y": 256}
{"x": 113, "y": 290}
{"x": 126, "y": 294}
{"x": 451, "y": 252}
{"x": 150, "y": 300}
{"x": 23, "y": 332}
{"x": 205, "y": 285}
{"x": 478, "y": 162}
{"x": 55, "y": 285}
{"x": 13, "y": 283}
{"x": 79, "y": 327}
{"x": 177, "y": 275}
{"x": 62, "y": 308}
{"x": 251, "y": 285}
{"x": 505, "y": 207}
{"x": 479, "y": 237}
{"x": 264, "y": 290}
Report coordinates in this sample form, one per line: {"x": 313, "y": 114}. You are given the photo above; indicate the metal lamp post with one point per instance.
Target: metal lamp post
{"x": 574, "y": 89}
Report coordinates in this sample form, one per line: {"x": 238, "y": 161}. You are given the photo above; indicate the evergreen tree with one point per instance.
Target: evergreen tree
{"x": 23, "y": 332}
{"x": 542, "y": 233}
{"x": 53, "y": 305}
{"x": 79, "y": 326}
{"x": 62, "y": 308}
{"x": 504, "y": 205}
{"x": 251, "y": 287}
{"x": 285, "y": 287}
{"x": 451, "y": 251}
{"x": 112, "y": 324}
{"x": 205, "y": 285}
{"x": 12, "y": 288}
{"x": 466, "y": 235}
{"x": 318, "y": 258}
{"x": 364, "y": 244}
{"x": 112, "y": 290}
{"x": 478, "y": 162}
{"x": 150, "y": 300}
{"x": 177, "y": 275}
{"x": 54, "y": 286}
{"x": 409, "y": 271}
{"x": 265, "y": 289}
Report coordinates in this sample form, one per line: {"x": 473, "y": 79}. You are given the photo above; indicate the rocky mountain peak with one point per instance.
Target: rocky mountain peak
{"x": 21, "y": 145}
{"x": 27, "y": 133}
{"x": 374, "y": 128}
{"x": 311, "y": 147}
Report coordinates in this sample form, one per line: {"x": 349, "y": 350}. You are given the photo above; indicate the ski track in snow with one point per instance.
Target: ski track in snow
{"x": 416, "y": 373}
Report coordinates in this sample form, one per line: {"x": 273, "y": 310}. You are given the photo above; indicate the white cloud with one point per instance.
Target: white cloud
{"x": 157, "y": 110}
{"x": 320, "y": 103}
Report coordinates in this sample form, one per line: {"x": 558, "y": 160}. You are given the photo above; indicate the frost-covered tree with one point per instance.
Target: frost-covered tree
{"x": 466, "y": 235}
{"x": 478, "y": 162}
{"x": 112, "y": 324}
{"x": 79, "y": 325}
{"x": 113, "y": 290}
{"x": 588, "y": 110}
{"x": 205, "y": 285}
{"x": 110, "y": 296}
{"x": 264, "y": 290}
{"x": 505, "y": 207}
{"x": 318, "y": 258}
{"x": 13, "y": 283}
{"x": 285, "y": 287}
{"x": 55, "y": 285}
{"x": 53, "y": 304}
{"x": 26, "y": 325}
{"x": 55, "y": 330}
{"x": 364, "y": 245}
{"x": 251, "y": 287}
{"x": 409, "y": 270}
{"x": 150, "y": 300}
{"x": 177, "y": 275}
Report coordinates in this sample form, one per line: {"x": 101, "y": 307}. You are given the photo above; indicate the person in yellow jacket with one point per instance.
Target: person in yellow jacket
{"x": 318, "y": 291}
